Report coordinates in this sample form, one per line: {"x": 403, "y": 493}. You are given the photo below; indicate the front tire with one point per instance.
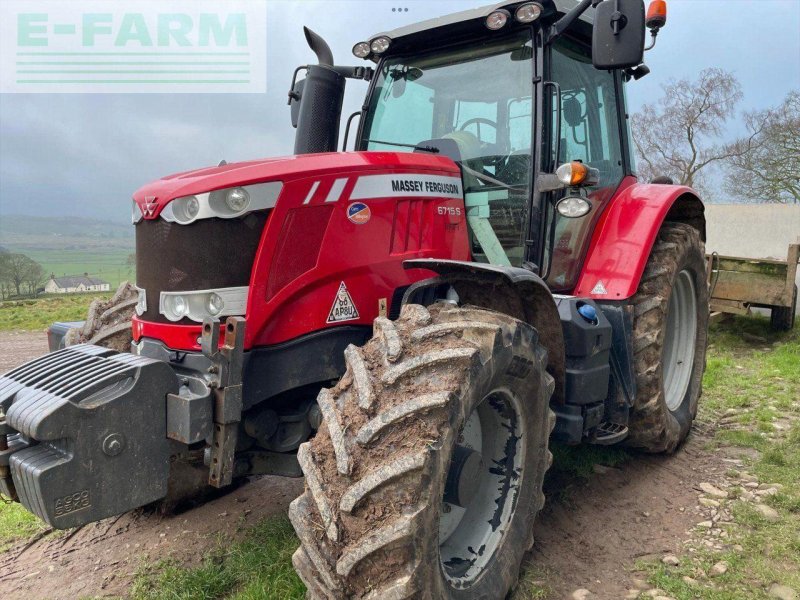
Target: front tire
{"x": 670, "y": 338}
{"x": 442, "y": 407}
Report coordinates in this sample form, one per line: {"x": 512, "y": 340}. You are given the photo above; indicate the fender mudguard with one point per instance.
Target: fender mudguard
{"x": 514, "y": 291}
{"x": 625, "y": 234}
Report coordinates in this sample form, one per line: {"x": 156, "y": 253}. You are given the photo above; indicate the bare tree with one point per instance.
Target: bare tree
{"x": 770, "y": 171}
{"x": 680, "y": 136}
{"x": 17, "y": 270}
{"x": 34, "y": 276}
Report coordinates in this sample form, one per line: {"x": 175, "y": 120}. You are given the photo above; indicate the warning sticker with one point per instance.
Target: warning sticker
{"x": 343, "y": 309}
{"x": 599, "y": 289}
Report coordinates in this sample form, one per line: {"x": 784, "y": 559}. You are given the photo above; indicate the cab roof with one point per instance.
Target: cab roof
{"x": 466, "y": 20}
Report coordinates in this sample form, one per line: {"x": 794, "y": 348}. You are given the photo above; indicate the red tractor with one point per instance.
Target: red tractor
{"x": 406, "y": 325}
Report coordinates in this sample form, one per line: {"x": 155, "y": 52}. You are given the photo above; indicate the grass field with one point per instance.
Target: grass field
{"x": 38, "y": 314}
{"x": 107, "y": 264}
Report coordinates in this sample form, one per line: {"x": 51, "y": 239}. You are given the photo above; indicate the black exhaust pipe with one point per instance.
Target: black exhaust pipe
{"x": 319, "y": 46}
{"x": 320, "y": 96}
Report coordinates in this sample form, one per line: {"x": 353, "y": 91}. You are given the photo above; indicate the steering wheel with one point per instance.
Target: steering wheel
{"x": 494, "y": 157}
{"x": 478, "y": 121}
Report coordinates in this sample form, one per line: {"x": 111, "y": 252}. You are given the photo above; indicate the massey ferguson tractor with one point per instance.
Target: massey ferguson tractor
{"x": 406, "y": 325}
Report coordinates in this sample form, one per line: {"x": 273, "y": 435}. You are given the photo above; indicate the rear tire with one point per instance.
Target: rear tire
{"x": 669, "y": 338}
{"x": 371, "y": 518}
{"x": 782, "y": 318}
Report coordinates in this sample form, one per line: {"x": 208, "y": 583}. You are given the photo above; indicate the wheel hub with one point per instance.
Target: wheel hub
{"x": 479, "y": 500}
{"x": 463, "y": 478}
{"x": 679, "y": 340}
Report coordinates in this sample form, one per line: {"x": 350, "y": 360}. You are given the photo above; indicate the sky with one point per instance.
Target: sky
{"x": 85, "y": 154}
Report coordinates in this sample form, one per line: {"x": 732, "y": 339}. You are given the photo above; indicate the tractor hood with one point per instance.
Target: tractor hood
{"x": 153, "y": 197}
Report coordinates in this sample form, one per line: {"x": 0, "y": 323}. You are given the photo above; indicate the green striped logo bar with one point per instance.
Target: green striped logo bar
{"x": 136, "y": 46}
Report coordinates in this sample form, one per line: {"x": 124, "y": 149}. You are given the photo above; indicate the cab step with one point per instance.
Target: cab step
{"x": 608, "y": 434}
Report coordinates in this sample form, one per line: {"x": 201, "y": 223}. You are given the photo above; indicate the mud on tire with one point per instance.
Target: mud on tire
{"x": 659, "y": 423}
{"x": 376, "y": 472}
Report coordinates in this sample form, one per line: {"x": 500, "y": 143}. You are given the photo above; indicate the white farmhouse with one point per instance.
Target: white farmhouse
{"x": 75, "y": 285}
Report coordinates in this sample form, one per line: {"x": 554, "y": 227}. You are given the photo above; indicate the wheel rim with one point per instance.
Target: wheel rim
{"x": 679, "y": 340}
{"x": 470, "y": 536}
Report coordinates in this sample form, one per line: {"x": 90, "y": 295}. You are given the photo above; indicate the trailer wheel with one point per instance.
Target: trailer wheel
{"x": 426, "y": 475}
{"x": 781, "y": 318}
{"x": 670, "y": 337}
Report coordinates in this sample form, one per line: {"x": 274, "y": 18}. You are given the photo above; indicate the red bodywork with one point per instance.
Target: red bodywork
{"x": 309, "y": 246}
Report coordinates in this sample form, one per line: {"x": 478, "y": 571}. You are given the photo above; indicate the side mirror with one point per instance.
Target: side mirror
{"x": 618, "y": 34}
{"x": 294, "y": 101}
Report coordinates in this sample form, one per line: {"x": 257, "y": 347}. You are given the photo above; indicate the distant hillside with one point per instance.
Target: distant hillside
{"x": 72, "y": 245}
{"x": 19, "y": 233}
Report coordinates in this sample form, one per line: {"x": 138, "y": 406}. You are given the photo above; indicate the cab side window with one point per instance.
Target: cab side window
{"x": 589, "y": 130}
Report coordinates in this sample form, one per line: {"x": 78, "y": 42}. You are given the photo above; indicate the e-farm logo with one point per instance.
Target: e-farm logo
{"x": 137, "y": 46}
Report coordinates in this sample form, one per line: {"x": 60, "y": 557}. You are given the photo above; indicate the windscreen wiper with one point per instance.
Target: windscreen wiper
{"x": 431, "y": 149}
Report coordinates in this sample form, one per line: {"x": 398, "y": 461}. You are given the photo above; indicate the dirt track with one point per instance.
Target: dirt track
{"x": 16, "y": 347}
{"x": 589, "y": 535}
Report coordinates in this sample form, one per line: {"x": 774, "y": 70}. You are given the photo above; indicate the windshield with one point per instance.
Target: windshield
{"x": 474, "y": 105}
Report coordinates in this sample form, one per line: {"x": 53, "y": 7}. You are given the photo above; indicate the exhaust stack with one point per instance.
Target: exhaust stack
{"x": 317, "y": 101}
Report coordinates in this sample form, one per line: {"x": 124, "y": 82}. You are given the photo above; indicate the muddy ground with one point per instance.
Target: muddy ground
{"x": 589, "y": 535}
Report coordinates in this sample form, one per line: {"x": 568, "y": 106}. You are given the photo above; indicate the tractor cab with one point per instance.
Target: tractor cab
{"x": 510, "y": 92}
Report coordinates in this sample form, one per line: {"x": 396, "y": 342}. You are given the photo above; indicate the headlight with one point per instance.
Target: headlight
{"x": 361, "y": 50}
{"x": 136, "y": 212}
{"x": 214, "y": 304}
{"x": 573, "y": 207}
{"x": 237, "y": 199}
{"x": 197, "y": 305}
{"x": 528, "y": 13}
{"x": 380, "y": 44}
{"x": 173, "y": 306}
{"x": 227, "y": 203}
{"x": 185, "y": 210}
{"x": 497, "y": 19}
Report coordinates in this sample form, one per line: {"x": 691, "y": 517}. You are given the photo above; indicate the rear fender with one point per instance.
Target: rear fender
{"x": 625, "y": 234}
{"x": 513, "y": 291}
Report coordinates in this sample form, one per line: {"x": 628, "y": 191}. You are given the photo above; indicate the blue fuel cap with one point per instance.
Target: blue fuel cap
{"x": 588, "y": 312}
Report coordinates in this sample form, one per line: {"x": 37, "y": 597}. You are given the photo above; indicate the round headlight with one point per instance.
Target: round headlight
{"x": 528, "y": 13}
{"x": 192, "y": 207}
{"x": 185, "y": 209}
{"x": 237, "y": 199}
{"x": 497, "y": 19}
{"x": 136, "y": 212}
{"x": 573, "y": 207}
{"x": 361, "y": 50}
{"x": 175, "y": 307}
{"x": 214, "y": 304}
{"x": 380, "y": 45}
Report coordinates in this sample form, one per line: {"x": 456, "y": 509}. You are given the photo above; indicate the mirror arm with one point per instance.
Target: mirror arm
{"x": 568, "y": 19}
{"x": 294, "y": 96}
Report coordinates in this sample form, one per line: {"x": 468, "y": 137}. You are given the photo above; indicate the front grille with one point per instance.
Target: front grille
{"x": 210, "y": 253}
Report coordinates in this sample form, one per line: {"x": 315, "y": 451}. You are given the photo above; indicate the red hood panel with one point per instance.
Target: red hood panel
{"x": 285, "y": 169}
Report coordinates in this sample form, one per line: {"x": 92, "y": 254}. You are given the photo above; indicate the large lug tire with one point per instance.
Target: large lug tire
{"x": 670, "y": 337}
{"x": 108, "y": 323}
{"x": 428, "y": 389}
{"x": 782, "y": 318}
